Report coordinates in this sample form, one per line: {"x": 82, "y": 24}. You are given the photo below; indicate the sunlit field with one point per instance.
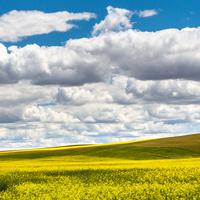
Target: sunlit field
{"x": 153, "y": 169}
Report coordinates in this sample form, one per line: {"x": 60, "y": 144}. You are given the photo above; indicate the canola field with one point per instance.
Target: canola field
{"x": 153, "y": 169}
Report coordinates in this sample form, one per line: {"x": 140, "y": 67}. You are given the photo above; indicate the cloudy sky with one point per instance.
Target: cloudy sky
{"x": 96, "y": 72}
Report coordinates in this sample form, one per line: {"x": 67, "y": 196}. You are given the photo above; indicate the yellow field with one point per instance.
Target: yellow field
{"x": 153, "y": 169}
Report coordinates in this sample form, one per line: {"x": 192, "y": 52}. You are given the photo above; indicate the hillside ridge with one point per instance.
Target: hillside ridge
{"x": 162, "y": 148}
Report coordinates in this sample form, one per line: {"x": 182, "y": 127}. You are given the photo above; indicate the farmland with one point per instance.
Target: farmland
{"x": 167, "y": 168}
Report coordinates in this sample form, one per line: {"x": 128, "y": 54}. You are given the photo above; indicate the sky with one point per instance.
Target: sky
{"x": 74, "y": 72}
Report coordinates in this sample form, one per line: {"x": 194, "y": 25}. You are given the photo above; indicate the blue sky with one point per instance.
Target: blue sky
{"x": 172, "y": 14}
{"x": 74, "y": 72}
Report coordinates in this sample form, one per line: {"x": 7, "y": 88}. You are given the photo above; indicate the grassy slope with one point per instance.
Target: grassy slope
{"x": 174, "y": 147}
{"x": 129, "y": 170}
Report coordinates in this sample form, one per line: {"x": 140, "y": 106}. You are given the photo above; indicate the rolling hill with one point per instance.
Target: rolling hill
{"x": 165, "y": 148}
{"x": 167, "y": 168}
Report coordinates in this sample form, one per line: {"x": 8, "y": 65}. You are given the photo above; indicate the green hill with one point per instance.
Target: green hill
{"x": 164, "y": 148}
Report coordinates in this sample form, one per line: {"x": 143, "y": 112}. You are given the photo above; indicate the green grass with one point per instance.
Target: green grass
{"x": 175, "y": 147}
{"x": 167, "y": 168}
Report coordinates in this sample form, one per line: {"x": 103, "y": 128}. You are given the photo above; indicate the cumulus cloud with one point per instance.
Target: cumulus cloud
{"x": 118, "y": 19}
{"x": 147, "y": 13}
{"x": 39, "y": 135}
{"x": 43, "y": 65}
{"x": 110, "y": 123}
{"x": 22, "y": 94}
{"x": 118, "y": 84}
{"x": 50, "y": 65}
{"x": 83, "y": 95}
{"x": 123, "y": 90}
{"x": 15, "y": 25}
{"x": 165, "y": 54}
{"x": 165, "y": 91}
{"x": 41, "y": 114}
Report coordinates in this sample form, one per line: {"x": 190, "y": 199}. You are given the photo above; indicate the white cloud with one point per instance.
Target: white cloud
{"x": 18, "y": 24}
{"x": 39, "y": 135}
{"x": 118, "y": 19}
{"x": 123, "y": 90}
{"x": 41, "y": 114}
{"x": 165, "y": 91}
{"x": 110, "y": 123}
{"x": 147, "y": 13}
{"x": 22, "y": 94}
{"x": 165, "y": 54}
{"x": 83, "y": 95}
{"x": 120, "y": 84}
{"x": 50, "y": 65}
